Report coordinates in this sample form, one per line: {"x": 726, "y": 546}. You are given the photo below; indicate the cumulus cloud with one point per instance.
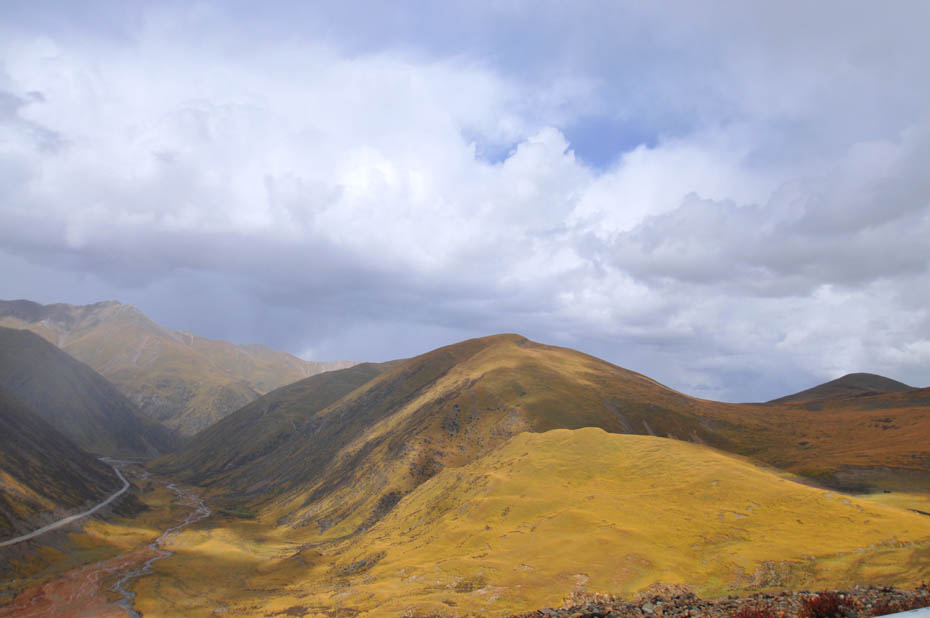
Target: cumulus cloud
{"x": 342, "y": 190}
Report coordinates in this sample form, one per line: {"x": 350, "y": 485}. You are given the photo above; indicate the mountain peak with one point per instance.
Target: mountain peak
{"x": 850, "y": 385}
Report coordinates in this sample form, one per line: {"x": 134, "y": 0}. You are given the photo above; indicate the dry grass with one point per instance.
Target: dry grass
{"x": 549, "y": 514}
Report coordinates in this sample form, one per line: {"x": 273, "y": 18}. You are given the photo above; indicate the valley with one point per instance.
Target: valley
{"x": 46, "y": 586}
{"x": 503, "y": 309}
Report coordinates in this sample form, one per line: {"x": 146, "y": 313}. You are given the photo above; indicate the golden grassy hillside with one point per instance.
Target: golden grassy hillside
{"x": 177, "y": 378}
{"x": 552, "y": 512}
{"x": 493, "y": 475}
{"x": 543, "y": 516}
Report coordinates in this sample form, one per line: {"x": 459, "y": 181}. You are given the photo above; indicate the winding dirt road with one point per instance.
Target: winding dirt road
{"x": 71, "y": 518}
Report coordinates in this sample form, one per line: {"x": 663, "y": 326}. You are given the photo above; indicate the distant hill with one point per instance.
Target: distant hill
{"x": 43, "y": 475}
{"x": 75, "y": 400}
{"x": 850, "y": 385}
{"x": 179, "y": 379}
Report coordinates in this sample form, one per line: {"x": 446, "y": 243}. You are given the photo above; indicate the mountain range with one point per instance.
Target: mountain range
{"x": 489, "y": 476}
{"x": 179, "y": 379}
{"x": 422, "y": 482}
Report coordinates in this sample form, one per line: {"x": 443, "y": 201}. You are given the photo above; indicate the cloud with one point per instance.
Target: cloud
{"x": 346, "y": 186}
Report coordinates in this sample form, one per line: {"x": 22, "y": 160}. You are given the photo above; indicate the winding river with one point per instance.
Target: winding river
{"x": 200, "y": 511}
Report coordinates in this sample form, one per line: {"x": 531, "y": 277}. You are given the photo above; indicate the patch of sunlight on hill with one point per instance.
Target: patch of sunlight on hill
{"x": 902, "y": 499}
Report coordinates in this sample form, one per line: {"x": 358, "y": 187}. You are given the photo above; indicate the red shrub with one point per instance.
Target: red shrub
{"x": 825, "y": 605}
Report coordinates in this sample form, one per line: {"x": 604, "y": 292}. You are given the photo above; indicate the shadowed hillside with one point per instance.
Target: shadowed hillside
{"x": 43, "y": 475}
{"x": 179, "y": 379}
{"x": 266, "y": 424}
{"x": 75, "y": 400}
{"x": 850, "y": 385}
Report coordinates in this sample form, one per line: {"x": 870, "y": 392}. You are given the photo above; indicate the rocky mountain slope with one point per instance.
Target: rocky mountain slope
{"x": 75, "y": 400}
{"x": 43, "y": 475}
{"x": 179, "y": 379}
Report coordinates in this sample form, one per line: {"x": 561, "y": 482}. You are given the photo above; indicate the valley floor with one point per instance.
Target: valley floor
{"x": 48, "y": 581}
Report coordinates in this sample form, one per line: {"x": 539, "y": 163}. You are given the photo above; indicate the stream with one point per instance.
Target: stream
{"x": 201, "y": 511}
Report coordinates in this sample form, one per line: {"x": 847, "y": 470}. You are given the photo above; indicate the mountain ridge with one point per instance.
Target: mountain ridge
{"x": 76, "y": 400}
{"x": 442, "y": 408}
{"x": 445, "y": 407}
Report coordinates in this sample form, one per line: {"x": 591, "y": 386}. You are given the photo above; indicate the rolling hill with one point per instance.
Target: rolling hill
{"x": 850, "y": 385}
{"x": 880, "y": 441}
{"x": 43, "y": 475}
{"x": 179, "y": 379}
{"x": 75, "y": 400}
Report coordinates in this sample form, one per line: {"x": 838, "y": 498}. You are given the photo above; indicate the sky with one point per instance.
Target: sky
{"x": 730, "y": 197}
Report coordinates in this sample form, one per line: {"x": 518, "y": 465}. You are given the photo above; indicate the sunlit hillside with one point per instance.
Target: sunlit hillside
{"x": 552, "y": 513}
